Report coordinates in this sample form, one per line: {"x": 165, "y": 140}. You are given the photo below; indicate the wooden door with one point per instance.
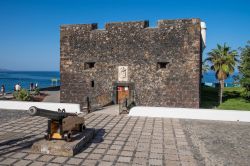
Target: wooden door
{"x": 122, "y": 93}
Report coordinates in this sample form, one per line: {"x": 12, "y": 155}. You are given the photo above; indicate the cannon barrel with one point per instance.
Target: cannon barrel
{"x": 56, "y": 115}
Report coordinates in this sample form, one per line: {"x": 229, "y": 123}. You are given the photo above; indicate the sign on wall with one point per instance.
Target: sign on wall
{"x": 122, "y": 73}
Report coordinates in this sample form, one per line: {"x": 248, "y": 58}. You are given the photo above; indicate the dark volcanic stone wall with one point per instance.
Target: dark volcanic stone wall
{"x": 132, "y": 44}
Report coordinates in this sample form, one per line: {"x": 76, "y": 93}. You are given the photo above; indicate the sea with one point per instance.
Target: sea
{"x": 43, "y": 78}
{"x": 209, "y": 79}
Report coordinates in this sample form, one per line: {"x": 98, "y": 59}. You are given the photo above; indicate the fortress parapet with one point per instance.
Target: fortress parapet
{"x": 161, "y": 64}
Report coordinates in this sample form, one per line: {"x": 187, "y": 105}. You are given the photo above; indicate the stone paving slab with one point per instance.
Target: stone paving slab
{"x": 119, "y": 140}
{"x": 53, "y": 96}
{"x": 10, "y": 115}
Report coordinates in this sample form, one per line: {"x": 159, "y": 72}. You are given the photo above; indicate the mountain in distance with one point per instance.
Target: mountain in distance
{"x": 1, "y": 70}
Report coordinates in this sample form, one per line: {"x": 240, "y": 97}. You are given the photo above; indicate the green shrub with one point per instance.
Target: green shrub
{"x": 246, "y": 93}
{"x": 244, "y": 69}
{"x": 22, "y": 95}
{"x": 37, "y": 91}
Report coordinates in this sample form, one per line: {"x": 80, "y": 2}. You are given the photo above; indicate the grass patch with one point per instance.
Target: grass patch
{"x": 235, "y": 104}
{"x": 231, "y": 99}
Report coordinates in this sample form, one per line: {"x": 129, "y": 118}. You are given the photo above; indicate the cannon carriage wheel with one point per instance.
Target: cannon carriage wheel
{"x": 82, "y": 127}
{"x": 68, "y": 136}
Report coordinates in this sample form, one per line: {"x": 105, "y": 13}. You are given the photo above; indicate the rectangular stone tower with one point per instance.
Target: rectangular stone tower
{"x": 158, "y": 66}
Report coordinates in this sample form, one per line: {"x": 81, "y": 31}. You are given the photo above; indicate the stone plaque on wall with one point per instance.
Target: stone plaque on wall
{"x": 122, "y": 73}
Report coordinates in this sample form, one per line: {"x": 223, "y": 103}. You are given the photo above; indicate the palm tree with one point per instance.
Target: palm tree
{"x": 223, "y": 60}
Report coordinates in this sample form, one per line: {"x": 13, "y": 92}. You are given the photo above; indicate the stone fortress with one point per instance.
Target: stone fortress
{"x": 150, "y": 66}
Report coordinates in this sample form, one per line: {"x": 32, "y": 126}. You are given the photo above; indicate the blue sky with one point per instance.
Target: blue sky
{"x": 29, "y": 29}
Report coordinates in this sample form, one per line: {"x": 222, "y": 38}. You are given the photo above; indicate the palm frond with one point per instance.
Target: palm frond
{"x": 223, "y": 60}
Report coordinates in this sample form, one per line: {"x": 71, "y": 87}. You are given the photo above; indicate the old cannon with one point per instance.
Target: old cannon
{"x": 61, "y": 124}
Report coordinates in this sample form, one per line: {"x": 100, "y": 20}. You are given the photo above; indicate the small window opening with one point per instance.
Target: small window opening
{"x": 162, "y": 65}
{"x": 89, "y": 65}
{"x": 92, "y": 83}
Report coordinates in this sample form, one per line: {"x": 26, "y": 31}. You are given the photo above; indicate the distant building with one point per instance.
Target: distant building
{"x": 159, "y": 66}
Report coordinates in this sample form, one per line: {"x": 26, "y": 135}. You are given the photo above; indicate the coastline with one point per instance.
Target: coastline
{"x": 44, "y": 79}
{"x": 52, "y": 94}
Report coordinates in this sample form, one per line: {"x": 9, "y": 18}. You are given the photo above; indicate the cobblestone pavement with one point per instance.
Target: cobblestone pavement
{"x": 119, "y": 140}
{"x": 219, "y": 143}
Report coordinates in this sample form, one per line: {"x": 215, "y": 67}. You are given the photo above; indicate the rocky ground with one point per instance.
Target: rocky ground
{"x": 219, "y": 143}
{"x": 9, "y": 115}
